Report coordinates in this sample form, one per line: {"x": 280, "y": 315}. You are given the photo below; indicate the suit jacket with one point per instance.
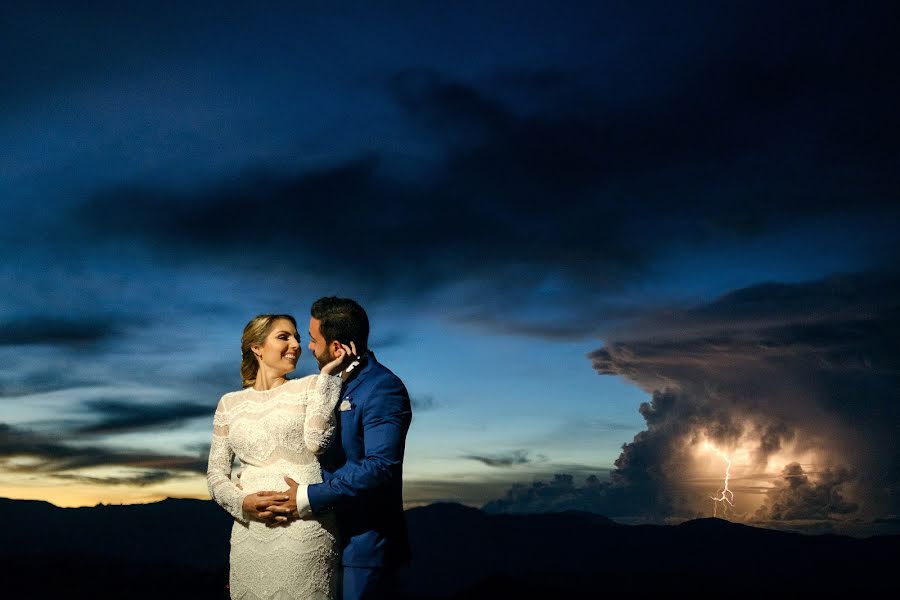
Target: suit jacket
{"x": 363, "y": 468}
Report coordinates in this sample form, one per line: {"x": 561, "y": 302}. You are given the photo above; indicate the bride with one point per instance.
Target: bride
{"x": 276, "y": 427}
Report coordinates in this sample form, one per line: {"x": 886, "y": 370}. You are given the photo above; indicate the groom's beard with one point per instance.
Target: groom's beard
{"x": 324, "y": 360}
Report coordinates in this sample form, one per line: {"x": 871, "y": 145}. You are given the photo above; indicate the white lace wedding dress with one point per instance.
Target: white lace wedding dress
{"x": 275, "y": 433}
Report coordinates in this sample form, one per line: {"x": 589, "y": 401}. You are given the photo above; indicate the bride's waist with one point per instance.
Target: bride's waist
{"x": 255, "y": 478}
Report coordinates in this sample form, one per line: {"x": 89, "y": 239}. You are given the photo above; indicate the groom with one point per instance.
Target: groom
{"x": 363, "y": 468}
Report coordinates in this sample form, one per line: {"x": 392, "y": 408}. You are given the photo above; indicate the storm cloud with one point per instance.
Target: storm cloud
{"x": 798, "y": 496}
{"x": 758, "y": 377}
{"x": 813, "y": 366}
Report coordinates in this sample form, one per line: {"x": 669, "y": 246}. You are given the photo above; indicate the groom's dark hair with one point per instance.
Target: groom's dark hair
{"x": 342, "y": 319}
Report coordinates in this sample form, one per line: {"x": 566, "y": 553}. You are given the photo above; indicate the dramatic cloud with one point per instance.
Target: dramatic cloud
{"x": 795, "y": 384}
{"x": 771, "y": 372}
{"x": 797, "y": 496}
{"x": 510, "y": 459}
{"x": 23, "y": 380}
{"x": 564, "y": 174}
{"x": 120, "y": 417}
{"x": 25, "y": 451}
{"x": 51, "y": 330}
{"x": 567, "y": 199}
{"x": 140, "y": 480}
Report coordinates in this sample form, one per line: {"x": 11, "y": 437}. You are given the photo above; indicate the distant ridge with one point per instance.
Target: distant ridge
{"x": 179, "y": 547}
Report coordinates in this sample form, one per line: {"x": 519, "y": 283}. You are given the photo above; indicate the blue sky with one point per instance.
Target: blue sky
{"x": 546, "y": 210}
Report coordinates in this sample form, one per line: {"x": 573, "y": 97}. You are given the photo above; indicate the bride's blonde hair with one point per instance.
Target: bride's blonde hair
{"x": 255, "y": 333}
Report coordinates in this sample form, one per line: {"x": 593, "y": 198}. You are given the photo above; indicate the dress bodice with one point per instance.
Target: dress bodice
{"x": 274, "y": 433}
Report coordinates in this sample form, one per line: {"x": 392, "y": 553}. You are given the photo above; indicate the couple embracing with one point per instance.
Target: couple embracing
{"x": 318, "y": 503}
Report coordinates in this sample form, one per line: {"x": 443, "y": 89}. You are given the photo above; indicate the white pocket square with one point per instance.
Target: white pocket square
{"x": 345, "y": 405}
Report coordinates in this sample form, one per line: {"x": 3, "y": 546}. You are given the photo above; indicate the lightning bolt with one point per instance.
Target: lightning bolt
{"x": 724, "y": 496}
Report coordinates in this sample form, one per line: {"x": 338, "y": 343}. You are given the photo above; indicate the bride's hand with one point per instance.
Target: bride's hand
{"x": 256, "y": 506}
{"x": 342, "y": 356}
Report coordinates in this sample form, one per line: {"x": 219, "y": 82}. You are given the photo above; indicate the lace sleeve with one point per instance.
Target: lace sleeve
{"x": 218, "y": 469}
{"x": 318, "y": 428}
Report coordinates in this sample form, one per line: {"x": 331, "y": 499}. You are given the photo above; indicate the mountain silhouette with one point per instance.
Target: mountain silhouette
{"x": 179, "y": 548}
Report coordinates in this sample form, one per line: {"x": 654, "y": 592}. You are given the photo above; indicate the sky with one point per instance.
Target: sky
{"x": 627, "y": 257}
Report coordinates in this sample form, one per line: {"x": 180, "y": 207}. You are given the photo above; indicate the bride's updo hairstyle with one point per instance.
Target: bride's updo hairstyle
{"x": 255, "y": 334}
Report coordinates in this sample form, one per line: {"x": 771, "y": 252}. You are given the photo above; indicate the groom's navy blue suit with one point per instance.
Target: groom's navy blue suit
{"x": 362, "y": 475}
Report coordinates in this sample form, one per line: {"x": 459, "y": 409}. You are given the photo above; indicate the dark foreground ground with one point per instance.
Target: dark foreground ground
{"x": 179, "y": 549}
